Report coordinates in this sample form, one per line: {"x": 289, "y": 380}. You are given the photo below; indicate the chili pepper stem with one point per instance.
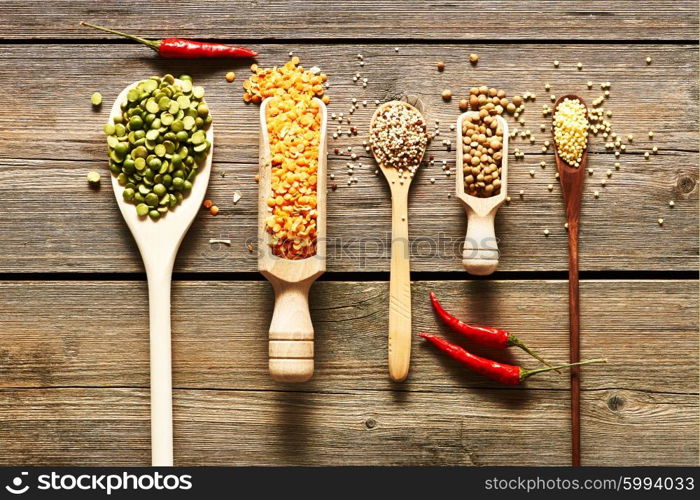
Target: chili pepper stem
{"x": 154, "y": 44}
{"x": 515, "y": 341}
{"x": 528, "y": 373}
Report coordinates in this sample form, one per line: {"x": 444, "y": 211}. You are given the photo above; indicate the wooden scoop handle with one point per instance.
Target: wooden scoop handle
{"x": 480, "y": 254}
{"x": 291, "y": 347}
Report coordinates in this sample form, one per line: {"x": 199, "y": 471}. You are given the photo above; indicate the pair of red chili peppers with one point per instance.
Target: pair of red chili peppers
{"x": 179, "y": 48}
{"x": 489, "y": 337}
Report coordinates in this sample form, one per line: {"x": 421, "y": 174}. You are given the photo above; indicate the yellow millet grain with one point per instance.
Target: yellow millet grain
{"x": 570, "y": 130}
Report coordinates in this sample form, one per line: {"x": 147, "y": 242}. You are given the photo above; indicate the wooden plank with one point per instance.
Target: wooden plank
{"x": 45, "y": 156}
{"x": 592, "y": 20}
{"x": 74, "y": 377}
{"x": 96, "y": 334}
{"x": 660, "y": 421}
{"x": 109, "y": 426}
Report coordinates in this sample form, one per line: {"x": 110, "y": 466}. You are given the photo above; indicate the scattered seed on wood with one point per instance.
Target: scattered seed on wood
{"x": 596, "y": 194}
{"x": 648, "y": 60}
{"x": 661, "y": 222}
{"x": 93, "y": 179}
{"x": 446, "y": 94}
{"x": 473, "y": 58}
{"x": 546, "y": 232}
{"x": 230, "y": 76}
{"x": 440, "y": 66}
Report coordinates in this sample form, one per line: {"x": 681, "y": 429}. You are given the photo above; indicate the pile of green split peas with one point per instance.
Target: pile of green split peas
{"x": 158, "y": 142}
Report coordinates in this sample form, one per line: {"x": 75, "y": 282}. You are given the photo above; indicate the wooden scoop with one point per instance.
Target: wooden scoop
{"x": 291, "y": 337}
{"x": 480, "y": 254}
{"x": 400, "y": 276}
{"x": 158, "y": 242}
{"x": 571, "y": 180}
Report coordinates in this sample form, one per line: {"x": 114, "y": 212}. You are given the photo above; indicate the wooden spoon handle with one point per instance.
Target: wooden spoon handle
{"x": 574, "y": 342}
{"x": 291, "y": 347}
{"x": 399, "y": 291}
{"x": 159, "y": 278}
{"x": 480, "y": 253}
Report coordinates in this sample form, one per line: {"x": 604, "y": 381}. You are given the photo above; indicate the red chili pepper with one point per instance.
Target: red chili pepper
{"x": 489, "y": 337}
{"x": 178, "y": 48}
{"x": 500, "y": 372}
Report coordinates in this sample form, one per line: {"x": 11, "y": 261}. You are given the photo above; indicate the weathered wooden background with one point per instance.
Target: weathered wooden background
{"x": 73, "y": 302}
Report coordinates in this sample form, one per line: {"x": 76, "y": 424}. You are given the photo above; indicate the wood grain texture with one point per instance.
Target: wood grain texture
{"x": 109, "y": 426}
{"x": 45, "y": 156}
{"x": 95, "y": 334}
{"x": 510, "y": 19}
{"x": 90, "y": 426}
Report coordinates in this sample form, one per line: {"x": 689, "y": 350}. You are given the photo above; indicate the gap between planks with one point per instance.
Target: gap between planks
{"x": 343, "y": 393}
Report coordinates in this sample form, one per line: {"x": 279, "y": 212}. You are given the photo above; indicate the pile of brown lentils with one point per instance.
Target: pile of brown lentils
{"x": 482, "y": 138}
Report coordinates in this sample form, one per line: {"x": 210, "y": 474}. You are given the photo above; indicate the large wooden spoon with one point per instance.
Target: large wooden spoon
{"x": 400, "y": 275}
{"x": 571, "y": 179}
{"x": 158, "y": 241}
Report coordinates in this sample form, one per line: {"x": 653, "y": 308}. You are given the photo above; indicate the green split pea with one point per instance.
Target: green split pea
{"x": 158, "y": 142}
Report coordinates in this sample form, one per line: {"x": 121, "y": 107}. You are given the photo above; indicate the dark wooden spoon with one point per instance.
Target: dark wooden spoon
{"x": 571, "y": 179}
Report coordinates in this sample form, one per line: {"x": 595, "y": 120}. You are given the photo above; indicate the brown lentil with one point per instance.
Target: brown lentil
{"x": 482, "y": 139}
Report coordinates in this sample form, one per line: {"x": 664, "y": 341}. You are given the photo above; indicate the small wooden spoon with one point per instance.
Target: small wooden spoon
{"x": 291, "y": 336}
{"x": 158, "y": 242}
{"x": 480, "y": 254}
{"x": 571, "y": 179}
{"x": 400, "y": 275}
